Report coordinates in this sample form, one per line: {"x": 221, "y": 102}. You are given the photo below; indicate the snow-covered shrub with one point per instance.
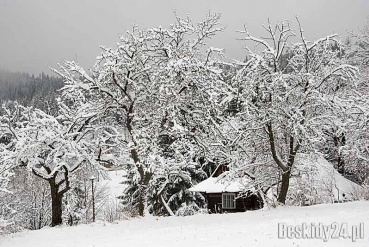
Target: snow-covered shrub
{"x": 113, "y": 210}
{"x": 366, "y": 192}
{"x": 188, "y": 210}
{"x": 28, "y": 206}
{"x": 169, "y": 188}
{"x": 363, "y": 193}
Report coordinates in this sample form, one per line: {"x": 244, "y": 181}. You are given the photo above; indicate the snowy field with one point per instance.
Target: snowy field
{"x": 253, "y": 228}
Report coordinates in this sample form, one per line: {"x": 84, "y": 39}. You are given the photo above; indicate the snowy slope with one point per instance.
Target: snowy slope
{"x": 315, "y": 176}
{"x": 253, "y": 228}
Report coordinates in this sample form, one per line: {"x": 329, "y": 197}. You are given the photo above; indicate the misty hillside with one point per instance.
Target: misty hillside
{"x": 29, "y": 89}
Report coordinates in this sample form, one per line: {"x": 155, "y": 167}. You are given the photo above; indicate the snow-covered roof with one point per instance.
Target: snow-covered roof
{"x": 221, "y": 184}
{"x": 322, "y": 176}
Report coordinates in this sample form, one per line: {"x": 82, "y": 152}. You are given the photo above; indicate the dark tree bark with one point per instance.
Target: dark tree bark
{"x": 284, "y": 166}
{"x": 56, "y": 204}
{"x": 285, "y": 183}
{"x": 56, "y": 193}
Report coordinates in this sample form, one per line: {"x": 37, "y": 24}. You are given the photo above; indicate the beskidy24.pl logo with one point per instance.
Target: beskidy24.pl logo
{"x": 321, "y": 231}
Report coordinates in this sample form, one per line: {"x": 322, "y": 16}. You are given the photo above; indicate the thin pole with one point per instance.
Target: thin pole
{"x": 93, "y": 201}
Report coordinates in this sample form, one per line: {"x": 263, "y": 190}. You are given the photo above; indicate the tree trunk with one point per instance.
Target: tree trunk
{"x": 142, "y": 197}
{"x": 284, "y": 186}
{"x": 56, "y": 204}
{"x": 340, "y": 141}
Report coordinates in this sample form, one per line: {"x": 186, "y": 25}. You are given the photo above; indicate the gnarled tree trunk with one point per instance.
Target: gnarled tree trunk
{"x": 284, "y": 187}
{"x": 56, "y": 193}
{"x": 284, "y": 166}
{"x": 57, "y": 200}
{"x": 56, "y": 203}
{"x": 56, "y": 209}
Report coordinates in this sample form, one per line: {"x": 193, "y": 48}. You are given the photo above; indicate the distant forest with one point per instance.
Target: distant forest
{"x": 29, "y": 89}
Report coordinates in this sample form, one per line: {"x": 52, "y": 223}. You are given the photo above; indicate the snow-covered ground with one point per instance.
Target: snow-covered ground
{"x": 253, "y": 228}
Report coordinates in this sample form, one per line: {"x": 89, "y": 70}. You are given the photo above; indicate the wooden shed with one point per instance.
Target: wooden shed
{"x": 224, "y": 195}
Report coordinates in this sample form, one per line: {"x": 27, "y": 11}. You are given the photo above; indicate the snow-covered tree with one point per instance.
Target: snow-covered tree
{"x": 5, "y": 165}
{"x": 5, "y": 171}
{"x": 360, "y": 47}
{"x": 51, "y": 148}
{"x": 168, "y": 190}
{"x": 148, "y": 83}
{"x": 288, "y": 95}
{"x": 356, "y": 148}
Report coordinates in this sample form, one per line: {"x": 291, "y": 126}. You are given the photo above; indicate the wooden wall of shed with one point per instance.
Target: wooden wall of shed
{"x": 214, "y": 202}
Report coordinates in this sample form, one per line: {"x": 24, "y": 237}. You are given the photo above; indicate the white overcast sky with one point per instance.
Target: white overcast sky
{"x": 36, "y": 34}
